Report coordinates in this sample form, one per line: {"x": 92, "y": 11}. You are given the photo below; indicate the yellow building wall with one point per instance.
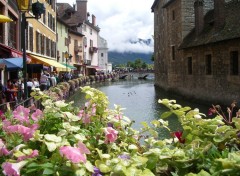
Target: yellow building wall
{"x": 42, "y": 28}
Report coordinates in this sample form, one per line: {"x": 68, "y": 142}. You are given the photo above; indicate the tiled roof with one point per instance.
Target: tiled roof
{"x": 66, "y": 13}
{"x": 154, "y": 5}
{"x": 210, "y": 34}
{"x": 168, "y": 3}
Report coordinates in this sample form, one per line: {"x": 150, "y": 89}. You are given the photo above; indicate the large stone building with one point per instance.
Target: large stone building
{"x": 197, "y": 45}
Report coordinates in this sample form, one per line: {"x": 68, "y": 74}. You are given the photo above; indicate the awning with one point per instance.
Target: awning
{"x": 69, "y": 66}
{"x": 48, "y": 62}
{"x": 13, "y": 52}
{"x": 12, "y": 64}
{"x": 4, "y": 19}
{"x": 92, "y": 66}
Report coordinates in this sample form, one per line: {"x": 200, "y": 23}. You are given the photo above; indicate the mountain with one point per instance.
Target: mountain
{"x": 122, "y": 58}
{"x": 116, "y": 57}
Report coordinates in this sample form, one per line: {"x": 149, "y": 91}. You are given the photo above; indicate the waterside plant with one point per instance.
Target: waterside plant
{"x": 64, "y": 140}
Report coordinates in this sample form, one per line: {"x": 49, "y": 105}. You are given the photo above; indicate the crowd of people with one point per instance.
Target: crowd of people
{"x": 13, "y": 91}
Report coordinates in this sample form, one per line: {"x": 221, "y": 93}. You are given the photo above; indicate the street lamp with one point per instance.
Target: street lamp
{"x": 37, "y": 9}
{"x": 67, "y": 57}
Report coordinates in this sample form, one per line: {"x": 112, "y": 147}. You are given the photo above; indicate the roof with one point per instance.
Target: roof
{"x": 210, "y": 34}
{"x": 168, "y": 3}
{"x": 68, "y": 15}
{"x": 154, "y": 4}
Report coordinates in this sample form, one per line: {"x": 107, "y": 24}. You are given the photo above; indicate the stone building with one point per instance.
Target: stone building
{"x": 197, "y": 45}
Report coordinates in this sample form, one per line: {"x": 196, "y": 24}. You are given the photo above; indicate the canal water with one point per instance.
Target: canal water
{"x": 140, "y": 98}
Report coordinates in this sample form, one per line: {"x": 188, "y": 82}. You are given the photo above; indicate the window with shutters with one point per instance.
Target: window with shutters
{"x": 27, "y": 36}
{"x": 31, "y": 39}
{"x": 44, "y": 17}
{"x": 12, "y": 34}
{"x": 53, "y": 49}
{"x": 47, "y": 47}
{"x": 66, "y": 41}
{"x": 37, "y": 41}
{"x": 43, "y": 45}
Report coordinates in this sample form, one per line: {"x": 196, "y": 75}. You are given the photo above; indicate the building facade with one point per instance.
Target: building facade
{"x": 103, "y": 55}
{"x": 84, "y": 48}
{"x": 9, "y": 37}
{"x": 197, "y": 48}
{"x": 41, "y": 38}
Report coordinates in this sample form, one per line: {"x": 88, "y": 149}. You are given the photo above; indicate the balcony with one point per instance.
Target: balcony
{"x": 93, "y": 50}
{"x": 78, "y": 48}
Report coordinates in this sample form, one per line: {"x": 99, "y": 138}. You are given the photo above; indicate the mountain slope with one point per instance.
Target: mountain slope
{"x": 122, "y": 58}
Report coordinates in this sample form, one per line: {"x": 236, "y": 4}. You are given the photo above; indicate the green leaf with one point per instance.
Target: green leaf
{"x": 89, "y": 166}
{"x": 104, "y": 168}
{"x": 152, "y": 161}
{"x": 147, "y": 172}
{"x": 48, "y": 171}
{"x": 166, "y": 114}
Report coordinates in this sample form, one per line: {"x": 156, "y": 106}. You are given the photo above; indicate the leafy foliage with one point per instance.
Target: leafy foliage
{"x": 94, "y": 140}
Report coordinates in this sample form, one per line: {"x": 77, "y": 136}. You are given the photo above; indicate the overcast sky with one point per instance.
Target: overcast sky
{"x": 121, "y": 21}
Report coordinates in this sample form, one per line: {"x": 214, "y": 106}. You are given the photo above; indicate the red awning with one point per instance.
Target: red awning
{"x": 13, "y": 52}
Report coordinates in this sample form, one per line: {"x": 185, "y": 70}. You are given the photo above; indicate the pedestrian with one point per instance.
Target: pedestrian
{"x": 43, "y": 82}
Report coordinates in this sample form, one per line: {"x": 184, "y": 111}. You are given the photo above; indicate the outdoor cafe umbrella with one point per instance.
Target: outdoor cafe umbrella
{"x": 12, "y": 63}
{"x": 4, "y": 19}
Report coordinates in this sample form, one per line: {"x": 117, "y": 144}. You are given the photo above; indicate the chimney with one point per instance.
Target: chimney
{"x": 93, "y": 20}
{"x": 82, "y": 8}
{"x": 199, "y": 16}
{"x": 219, "y": 13}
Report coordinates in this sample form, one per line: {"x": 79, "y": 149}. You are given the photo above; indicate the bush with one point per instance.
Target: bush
{"x": 66, "y": 140}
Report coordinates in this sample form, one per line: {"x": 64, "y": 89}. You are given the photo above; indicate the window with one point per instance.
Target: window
{"x": 189, "y": 60}
{"x": 173, "y": 52}
{"x": 43, "y": 45}
{"x": 91, "y": 43}
{"x": 208, "y": 63}
{"x": 173, "y": 15}
{"x": 12, "y": 35}
{"x": 234, "y": 67}
{"x": 47, "y": 47}
{"x": 31, "y": 38}
{"x": 101, "y": 54}
{"x": 66, "y": 41}
{"x": 91, "y": 31}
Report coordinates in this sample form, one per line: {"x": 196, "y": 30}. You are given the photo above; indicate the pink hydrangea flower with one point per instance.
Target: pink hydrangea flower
{"x": 73, "y": 154}
{"x": 22, "y": 114}
{"x": 83, "y": 149}
{"x": 13, "y": 169}
{"x": 3, "y": 149}
{"x": 86, "y": 119}
{"x": 94, "y": 109}
{"x": 38, "y": 114}
{"x": 32, "y": 155}
{"x": 27, "y": 132}
{"x": 110, "y": 135}
{"x": 80, "y": 114}
{"x": 6, "y": 123}
{"x": 118, "y": 117}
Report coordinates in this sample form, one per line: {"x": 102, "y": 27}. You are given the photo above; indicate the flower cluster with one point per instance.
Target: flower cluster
{"x": 93, "y": 140}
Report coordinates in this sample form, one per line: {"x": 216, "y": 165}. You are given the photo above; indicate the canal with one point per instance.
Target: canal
{"x": 140, "y": 98}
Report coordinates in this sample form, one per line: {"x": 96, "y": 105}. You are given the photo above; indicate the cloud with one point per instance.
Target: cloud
{"x": 122, "y": 21}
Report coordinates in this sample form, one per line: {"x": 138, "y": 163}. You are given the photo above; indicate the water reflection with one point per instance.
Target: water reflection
{"x": 140, "y": 98}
